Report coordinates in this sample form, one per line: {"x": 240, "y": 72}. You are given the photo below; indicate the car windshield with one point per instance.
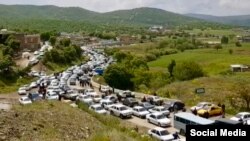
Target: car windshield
{"x": 142, "y": 109}
{"x": 147, "y": 104}
{"x": 164, "y": 132}
{"x": 238, "y": 115}
{"x": 22, "y": 88}
{"x": 98, "y": 108}
{"x": 90, "y": 91}
{"x": 123, "y": 108}
{"x": 26, "y": 99}
{"x": 109, "y": 103}
{"x": 160, "y": 117}
{"x": 200, "y": 104}
{"x": 132, "y": 100}
{"x": 86, "y": 96}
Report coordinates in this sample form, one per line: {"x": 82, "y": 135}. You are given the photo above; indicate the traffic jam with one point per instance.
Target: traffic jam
{"x": 166, "y": 119}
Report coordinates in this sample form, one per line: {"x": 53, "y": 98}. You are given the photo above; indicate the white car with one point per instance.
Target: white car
{"x": 22, "y": 91}
{"x": 84, "y": 98}
{"x": 161, "y": 134}
{"x": 200, "y": 105}
{"x": 121, "y": 111}
{"x": 105, "y": 89}
{"x": 158, "y": 119}
{"x": 98, "y": 109}
{"x": 90, "y": 92}
{"x": 160, "y": 109}
{"x": 96, "y": 97}
{"x": 25, "y": 100}
{"x": 106, "y": 104}
{"x": 52, "y": 96}
{"x": 140, "y": 111}
{"x": 36, "y": 53}
{"x": 243, "y": 116}
{"x": 33, "y": 85}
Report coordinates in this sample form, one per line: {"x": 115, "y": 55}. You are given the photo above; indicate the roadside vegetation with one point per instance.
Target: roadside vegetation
{"x": 193, "y": 64}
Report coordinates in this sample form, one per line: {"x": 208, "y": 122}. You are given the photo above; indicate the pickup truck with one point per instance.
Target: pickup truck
{"x": 120, "y": 111}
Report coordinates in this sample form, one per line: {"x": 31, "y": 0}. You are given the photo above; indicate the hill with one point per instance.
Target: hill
{"x": 39, "y": 17}
{"x": 241, "y": 20}
{"x": 57, "y": 121}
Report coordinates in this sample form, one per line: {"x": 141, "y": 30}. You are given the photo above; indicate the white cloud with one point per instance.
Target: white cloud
{"x": 213, "y": 7}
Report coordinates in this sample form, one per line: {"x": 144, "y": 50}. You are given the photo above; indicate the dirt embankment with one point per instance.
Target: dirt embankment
{"x": 44, "y": 121}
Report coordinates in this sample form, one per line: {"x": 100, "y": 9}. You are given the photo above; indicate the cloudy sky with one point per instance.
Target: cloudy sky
{"x": 211, "y": 7}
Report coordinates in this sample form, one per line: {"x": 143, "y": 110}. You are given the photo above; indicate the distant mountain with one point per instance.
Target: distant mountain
{"x": 61, "y": 18}
{"x": 241, "y": 20}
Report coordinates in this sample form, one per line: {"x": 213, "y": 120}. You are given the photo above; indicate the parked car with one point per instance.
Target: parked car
{"x": 98, "y": 109}
{"x": 130, "y": 102}
{"x": 33, "y": 85}
{"x": 72, "y": 81}
{"x": 160, "y": 109}
{"x": 242, "y": 116}
{"x": 71, "y": 95}
{"x": 84, "y": 98}
{"x": 224, "y": 121}
{"x": 22, "y": 91}
{"x": 121, "y": 111}
{"x": 35, "y": 96}
{"x": 200, "y": 105}
{"x": 105, "y": 89}
{"x": 154, "y": 100}
{"x": 125, "y": 94}
{"x": 52, "y": 96}
{"x": 209, "y": 111}
{"x": 96, "y": 97}
{"x": 25, "y": 100}
{"x": 172, "y": 105}
{"x": 146, "y": 105}
{"x": 158, "y": 119}
{"x": 106, "y": 104}
{"x": 111, "y": 98}
{"x": 161, "y": 134}
{"x": 140, "y": 112}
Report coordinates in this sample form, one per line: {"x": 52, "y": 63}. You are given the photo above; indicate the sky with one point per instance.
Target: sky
{"x": 209, "y": 7}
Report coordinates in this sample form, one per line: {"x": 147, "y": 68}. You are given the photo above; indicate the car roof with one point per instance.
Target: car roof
{"x": 159, "y": 129}
{"x": 156, "y": 114}
{"x": 244, "y": 113}
{"x": 138, "y": 107}
{"x": 119, "y": 105}
{"x": 159, "y": 107}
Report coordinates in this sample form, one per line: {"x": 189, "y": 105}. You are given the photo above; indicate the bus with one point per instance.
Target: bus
{"x": 182, "y": 119}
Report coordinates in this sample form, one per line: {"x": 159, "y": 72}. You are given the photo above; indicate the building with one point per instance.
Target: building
{"x": 31, "y": 42}
{"x": 246, "y": 39}
{"x": 127, "y": 40}
{"x": 156, "y": 28}
{"x": 239, "y": 68}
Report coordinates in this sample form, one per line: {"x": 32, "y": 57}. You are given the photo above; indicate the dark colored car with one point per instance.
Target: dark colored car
{"x": 72, "y": 81}
{"x": 224, "y": 121}
{"x": 70, "y": 96}
{"x": 35, "y": 96}
{"x": 146, "y": 105}
{"x": 131, "y": 102}
{"x": 174, "y": 104}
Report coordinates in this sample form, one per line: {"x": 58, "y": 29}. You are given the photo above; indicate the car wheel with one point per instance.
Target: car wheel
{"x": 171, "y": 109}
{"x": 121, "y": 116}
{"x": 148, "y": 120}
{"x": 111, "y": 113}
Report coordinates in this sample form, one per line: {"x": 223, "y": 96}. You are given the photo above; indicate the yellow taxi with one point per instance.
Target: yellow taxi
{"x": 210, "y": 111}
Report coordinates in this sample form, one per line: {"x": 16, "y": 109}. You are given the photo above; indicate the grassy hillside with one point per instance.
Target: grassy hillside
{"x": 241, "y": 20}
{"x": 212, "y": 61}
{"x": 58, "y": 121}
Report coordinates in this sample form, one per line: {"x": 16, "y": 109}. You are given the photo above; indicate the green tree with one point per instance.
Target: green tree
{"x": 171, "y": 67}
{"x": 117, "y": 76}
{"x": 119, "y": 56}
{"x": 45, "y": 36}
{"x": 218, "y": 46}
{"x": 52, "y": 40}
{"x": 65, "y": 42}
{"x": 238, "y": 44}
{"x": 188, "y": 70}
{"x": 224, "y": 40}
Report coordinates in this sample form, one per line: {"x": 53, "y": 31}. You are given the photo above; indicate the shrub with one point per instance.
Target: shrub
{"x": 187, "y": 71}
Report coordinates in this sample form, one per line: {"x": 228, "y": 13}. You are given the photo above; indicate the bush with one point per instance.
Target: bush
{"x": 150, "y": 57}
{"x": 238, "y": 44}
{"x": 187, "y": 71}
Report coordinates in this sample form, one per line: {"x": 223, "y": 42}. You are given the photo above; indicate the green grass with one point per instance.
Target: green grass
{"x": 212, "y": 61}
{"x": 217, "y": 32}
